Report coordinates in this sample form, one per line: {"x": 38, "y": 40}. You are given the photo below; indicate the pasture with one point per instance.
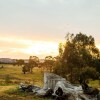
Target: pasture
{"x": 15, "y": 76}
{"x": 11, "y": 76}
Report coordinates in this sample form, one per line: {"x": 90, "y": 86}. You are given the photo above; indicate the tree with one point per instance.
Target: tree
{"x": 61, "y": 50}
{"x": 20, "y": 62}
{"x": 33, "y": 62}
{"x": 79, "y": 52}
{"x": 26, "y": 68}
{"x": 49, "y": 61}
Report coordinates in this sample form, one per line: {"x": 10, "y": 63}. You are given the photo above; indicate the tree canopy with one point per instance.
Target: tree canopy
{"x": 78, "y": 53}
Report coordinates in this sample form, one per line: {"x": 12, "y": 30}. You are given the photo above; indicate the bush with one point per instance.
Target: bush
{"x": 90, "y": 73}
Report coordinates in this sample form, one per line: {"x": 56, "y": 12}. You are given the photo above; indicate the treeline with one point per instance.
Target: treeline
{"x": 46, "y": 65}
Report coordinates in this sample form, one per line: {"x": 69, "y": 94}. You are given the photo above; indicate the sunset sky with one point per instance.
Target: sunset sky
{"x": 36, "y": 27}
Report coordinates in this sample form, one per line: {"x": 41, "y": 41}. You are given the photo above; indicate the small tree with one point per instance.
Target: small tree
{"x": 26, "y": 68}
{"x": 49, "y": 61}
{"x": 20, "y": 62}
{"x": 33, "y": 62}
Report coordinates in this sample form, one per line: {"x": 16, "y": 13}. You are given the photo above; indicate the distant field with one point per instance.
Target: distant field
{"x": 14, "y": 75}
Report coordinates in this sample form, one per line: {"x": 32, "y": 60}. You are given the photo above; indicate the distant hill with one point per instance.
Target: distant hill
{"x": 9, "y": 60}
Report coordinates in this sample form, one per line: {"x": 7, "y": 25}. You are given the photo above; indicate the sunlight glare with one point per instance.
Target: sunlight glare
{"x": 39, "y": 48}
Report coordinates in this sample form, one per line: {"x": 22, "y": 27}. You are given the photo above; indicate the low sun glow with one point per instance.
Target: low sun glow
{"x": 16, "y": 48}
{"x": 98, "y": 46}
{"x": 40, "y": 48}
{"x": 19, "y": 47}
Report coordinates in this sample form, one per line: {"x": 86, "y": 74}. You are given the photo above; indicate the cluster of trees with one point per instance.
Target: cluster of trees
{"x": 34, "y": 61}
{"x": 79, "y": 57}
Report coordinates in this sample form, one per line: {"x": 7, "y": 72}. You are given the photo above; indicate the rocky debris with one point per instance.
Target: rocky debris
{"x": 57, "y": 87}
{"x": 28, "y": 88}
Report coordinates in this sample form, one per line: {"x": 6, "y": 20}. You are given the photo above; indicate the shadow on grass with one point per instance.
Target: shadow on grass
{"x": 19, "y": 95}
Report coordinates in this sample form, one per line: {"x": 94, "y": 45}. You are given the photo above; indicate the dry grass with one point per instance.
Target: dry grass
{"x": 5, "y": 88}
{"x": 95, "y": 84}
{"x": 16, "y": 76}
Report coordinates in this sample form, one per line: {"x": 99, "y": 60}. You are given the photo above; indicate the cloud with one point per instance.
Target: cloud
{"x": 12, "y": 47}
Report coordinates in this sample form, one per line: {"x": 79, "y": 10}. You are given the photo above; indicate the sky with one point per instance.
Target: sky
{"x": 36, "y": 27}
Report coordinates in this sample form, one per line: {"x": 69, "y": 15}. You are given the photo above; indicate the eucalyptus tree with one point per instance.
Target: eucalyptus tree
{"x": 79, "y": 52}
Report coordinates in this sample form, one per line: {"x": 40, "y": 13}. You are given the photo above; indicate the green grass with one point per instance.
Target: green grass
{"x": 95, "y": 84}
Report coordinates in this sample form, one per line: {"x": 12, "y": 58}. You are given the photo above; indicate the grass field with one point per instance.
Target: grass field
{"x": 11, "y": 76}
{"x": 15, "y": 75}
